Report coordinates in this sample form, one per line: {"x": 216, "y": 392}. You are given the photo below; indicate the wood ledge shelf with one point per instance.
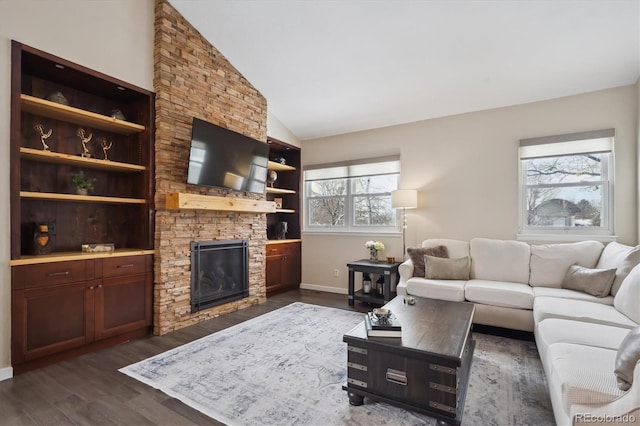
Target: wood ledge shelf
{"x": 185, "y": 201}
{"x": 74, "y": 160}
{"x": 79, "y": 116}
{"x": 76, "y": 255}
{"x": 290, "y": 240}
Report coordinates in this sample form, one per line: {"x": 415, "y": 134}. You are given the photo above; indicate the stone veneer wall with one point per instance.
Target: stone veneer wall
{"x": 192, "y": 79}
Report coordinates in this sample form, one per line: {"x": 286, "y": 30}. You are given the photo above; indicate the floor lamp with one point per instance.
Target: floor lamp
{"x": 404, "y": 199}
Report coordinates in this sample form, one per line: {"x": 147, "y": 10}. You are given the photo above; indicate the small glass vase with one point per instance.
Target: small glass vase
{"x": 373, "y": 255}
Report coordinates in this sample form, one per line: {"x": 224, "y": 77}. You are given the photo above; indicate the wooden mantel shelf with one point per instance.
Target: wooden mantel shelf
{"x": 184, "y": 201}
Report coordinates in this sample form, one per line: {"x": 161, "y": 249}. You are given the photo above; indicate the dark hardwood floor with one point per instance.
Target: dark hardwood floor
{"x": 89, "y": 390}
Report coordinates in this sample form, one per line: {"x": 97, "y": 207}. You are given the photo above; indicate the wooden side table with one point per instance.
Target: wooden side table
{"x": 388, "y": 270}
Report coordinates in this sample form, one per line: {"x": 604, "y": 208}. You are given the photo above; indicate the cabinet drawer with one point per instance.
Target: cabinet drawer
{"x": 45, "y": 274}
{"x": 117, "y": 266}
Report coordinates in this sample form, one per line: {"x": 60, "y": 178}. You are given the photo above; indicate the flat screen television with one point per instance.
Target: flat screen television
{"x": 223, "y": 158}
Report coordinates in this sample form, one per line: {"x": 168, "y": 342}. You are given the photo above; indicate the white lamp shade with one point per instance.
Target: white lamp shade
{"x": 404, "y": 199}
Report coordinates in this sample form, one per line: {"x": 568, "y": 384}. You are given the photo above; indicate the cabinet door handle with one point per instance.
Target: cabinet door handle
{"x": 128, "y": 265}
{"x": 90, "y": 287}
{"x": 99, "y": 285}
{"x": 58, "y": 274}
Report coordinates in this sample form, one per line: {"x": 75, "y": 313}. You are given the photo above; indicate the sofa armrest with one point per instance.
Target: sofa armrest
{"x": 405, "y": 269}
{"x": 624, "y": 410}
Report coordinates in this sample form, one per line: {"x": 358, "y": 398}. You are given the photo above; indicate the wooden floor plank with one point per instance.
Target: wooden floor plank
{"x": 89, "y": 390}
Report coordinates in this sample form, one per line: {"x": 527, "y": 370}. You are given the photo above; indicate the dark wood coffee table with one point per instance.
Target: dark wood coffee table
{"x": 427, "y": 370}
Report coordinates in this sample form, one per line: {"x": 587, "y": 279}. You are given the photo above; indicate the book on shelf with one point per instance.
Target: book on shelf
{"x": 391, "y": 323}
{"x": 371, "y": 332}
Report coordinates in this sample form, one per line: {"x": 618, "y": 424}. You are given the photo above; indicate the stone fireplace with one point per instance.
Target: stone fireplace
{"x": 192, "y": 79}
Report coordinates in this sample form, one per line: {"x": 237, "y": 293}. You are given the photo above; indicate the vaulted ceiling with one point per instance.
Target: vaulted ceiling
{"x": 329, "y": 67}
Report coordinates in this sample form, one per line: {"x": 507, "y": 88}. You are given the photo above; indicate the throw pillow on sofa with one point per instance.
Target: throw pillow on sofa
{"x": 627, "y": 357}
{"x": 627, "y": 299}
{"x": 596, "y": 282}
{"x": 417, "y": 257}
{"x": 622, "y": 257}
{"x": 437, "y": 268}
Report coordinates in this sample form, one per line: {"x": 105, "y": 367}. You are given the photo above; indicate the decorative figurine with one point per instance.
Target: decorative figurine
{"x": 43, "y": 136}
{"x": 84, "y": 139}
{"x": 106, "y": 146}
{"x": 272, "y": 177}
{"x": 41, "y": 239}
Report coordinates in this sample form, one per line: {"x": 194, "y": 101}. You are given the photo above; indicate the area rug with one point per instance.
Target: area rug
{"x": 287, "y": 367}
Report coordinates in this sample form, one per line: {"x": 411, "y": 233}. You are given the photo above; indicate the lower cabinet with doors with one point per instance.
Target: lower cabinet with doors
{"x": 283, "y": 266}
{"x": 62, "y": 309}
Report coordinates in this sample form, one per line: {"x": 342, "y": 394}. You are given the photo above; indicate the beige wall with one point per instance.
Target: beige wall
{"x": 114, "y": 37}
{"x": 466, "y": 171}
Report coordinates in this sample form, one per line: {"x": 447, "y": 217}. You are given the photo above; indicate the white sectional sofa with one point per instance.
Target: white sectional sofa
{"x": 583, "y": 328}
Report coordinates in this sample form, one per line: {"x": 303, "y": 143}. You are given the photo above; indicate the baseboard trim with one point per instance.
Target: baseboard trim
{"x": 6, "y": 373}
{"x": 323, "y": 288}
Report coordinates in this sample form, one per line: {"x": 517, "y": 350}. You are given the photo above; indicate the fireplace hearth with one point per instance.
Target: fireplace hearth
{"x": 219, "y": 272}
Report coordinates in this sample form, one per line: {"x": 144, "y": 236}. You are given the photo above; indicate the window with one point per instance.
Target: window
{"x": 351, "y": 197}
{"x": 566, "y": 184}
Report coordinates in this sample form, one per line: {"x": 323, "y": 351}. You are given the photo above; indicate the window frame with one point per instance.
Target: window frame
{"x": 571, "y": 146}
{"x": 349, "y": 199}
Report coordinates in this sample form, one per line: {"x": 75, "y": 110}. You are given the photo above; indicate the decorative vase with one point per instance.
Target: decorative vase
{"x": 373, "y": 255}
{"x": 82, "y": 191}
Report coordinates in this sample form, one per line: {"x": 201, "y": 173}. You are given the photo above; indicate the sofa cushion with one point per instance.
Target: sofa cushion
{"x": 417, "y": 257}
{"x": 570, "y": 294}
{"x": 579, "y": 310}
{"x": 499, "y": 293}
{"x": 627, "y": 299}
{"x": 596, "y": 282}
{"x": 446, "y": 269}
{"x": 627, "y": 357}
{"x": 500, "y": 260}
{"x": 549, "y": 262}
{"x": 456, "y": 248}
{"x": 622, "y": 257}
{"x": 556, "y": 330}
{"x": 437, "y": 289}
{"x": 584, "y": 374}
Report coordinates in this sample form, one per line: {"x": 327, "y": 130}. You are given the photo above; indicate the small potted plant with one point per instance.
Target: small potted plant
{"x": 82, "y": 183}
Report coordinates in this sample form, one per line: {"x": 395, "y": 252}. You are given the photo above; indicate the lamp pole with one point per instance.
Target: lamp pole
{"x": 404, "y": 199}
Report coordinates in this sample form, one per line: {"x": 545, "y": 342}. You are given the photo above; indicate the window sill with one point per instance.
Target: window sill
{"x": 565, "y": 238}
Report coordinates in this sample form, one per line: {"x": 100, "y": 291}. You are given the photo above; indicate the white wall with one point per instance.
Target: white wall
{"x": 466, "y": 171}
{"x": 111, "y": 36}
{"x": 277, "y": 130}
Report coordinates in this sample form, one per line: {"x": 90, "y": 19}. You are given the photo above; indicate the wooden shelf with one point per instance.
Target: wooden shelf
{"x": 74, "y": 160}
{"x": 185, "y": 201}
{"x": 289, "y": 240}
{"x": 81, "y": 198}
{"x": 270, "y": 190}
{"x": 46, "y": 108}
{"x": 280, "y": 167}
{"x": 285, "y": 211}
{"x": 77, "y": 255}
